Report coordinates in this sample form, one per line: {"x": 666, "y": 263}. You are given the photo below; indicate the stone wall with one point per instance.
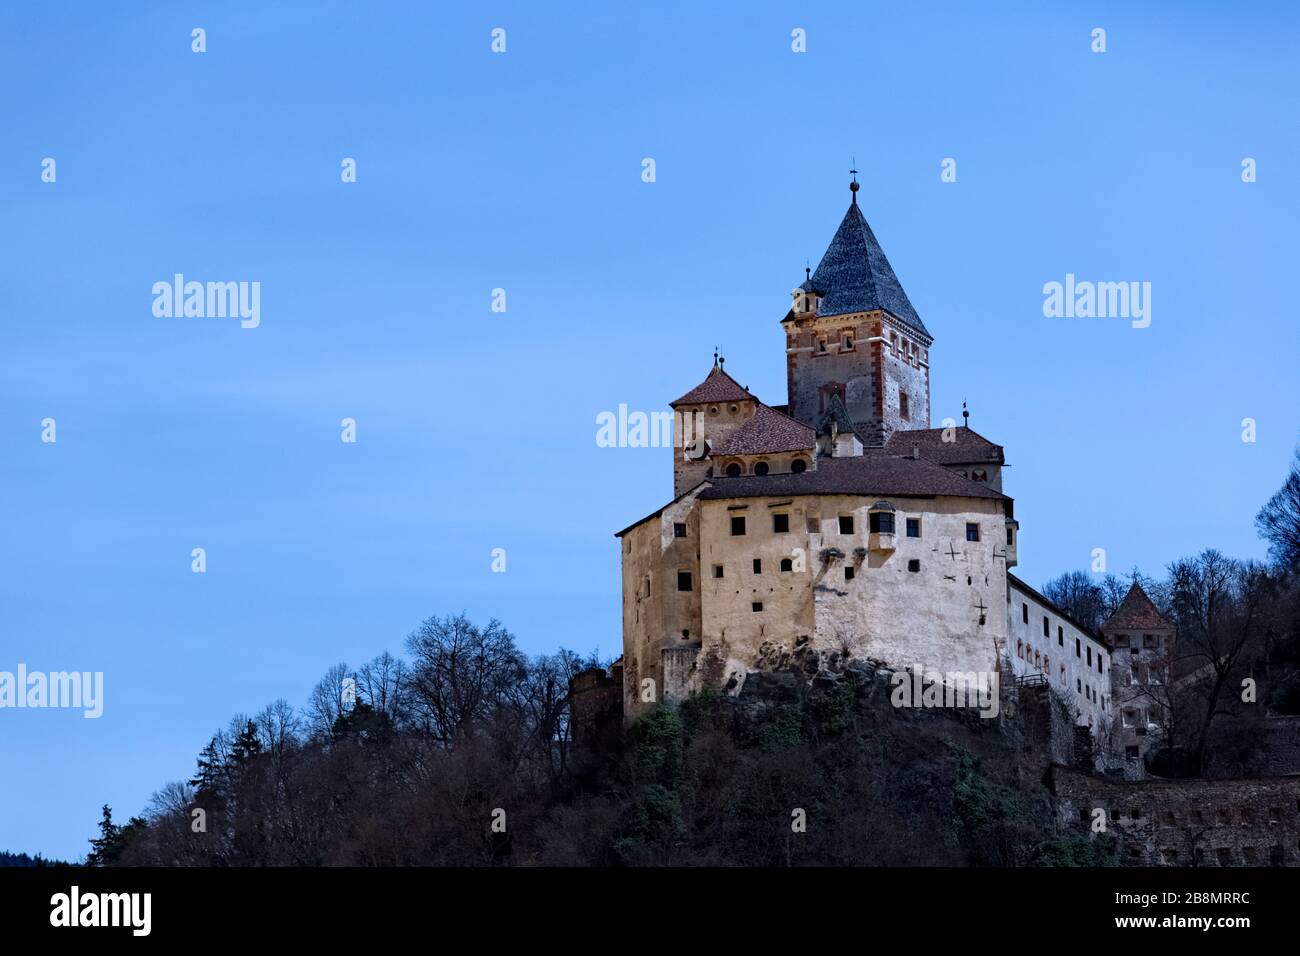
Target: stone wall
{"x": 1242, "y": 822}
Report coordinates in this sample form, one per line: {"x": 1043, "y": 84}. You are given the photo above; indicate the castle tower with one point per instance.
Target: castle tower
{"x": 704, "y": 417}
{"x": 852, "y": 332}
{"x": 1142, "y": 651}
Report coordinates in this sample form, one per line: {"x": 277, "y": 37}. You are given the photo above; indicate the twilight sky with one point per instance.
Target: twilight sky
{"x": 522, "y": 171}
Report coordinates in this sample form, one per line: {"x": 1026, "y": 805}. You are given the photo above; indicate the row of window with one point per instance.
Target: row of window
{"x": 1060, "y": 638}
{"x": 878, "y": 522}
{"x": 1149, "y": 642}
{"x": 735, "y": 469}
{"x": 686, "y": 580}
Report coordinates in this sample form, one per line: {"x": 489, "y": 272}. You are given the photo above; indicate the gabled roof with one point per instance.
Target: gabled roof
{"x": 966, "y": 448}
{"x": 835, "y": 413}
{"x": 766, "y": 433}
{"x": 855, "y": 276}
{"x": 873, "y": 473}
{"x": 717, "y": 386}
{"x": 1135, "y": 613}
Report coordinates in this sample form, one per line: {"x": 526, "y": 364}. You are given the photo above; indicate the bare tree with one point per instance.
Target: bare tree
{"x": 328, "y": 700}
{"x": 1279, "y": 520}
{"x": 461, "y": 672}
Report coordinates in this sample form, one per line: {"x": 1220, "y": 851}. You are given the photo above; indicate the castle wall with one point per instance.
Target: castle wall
{"x": 904, "y": 370}
{"x": 655, "y": 613}
{"x": 1074, "y": 664}
{"x": 885, "y": 613}
{"x": 1139, "y": 682}
{"x": 1242, "y": 822}
{"x": 807, "y": 369}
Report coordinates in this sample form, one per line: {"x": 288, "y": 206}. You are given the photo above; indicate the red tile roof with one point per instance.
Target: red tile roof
{"x": 767, "y": 433}
{"x": 966, "y": 448}
{"x": 1135, "y": 613}
{"x": 717, "y": 387}
{"x": 874, "y": 473}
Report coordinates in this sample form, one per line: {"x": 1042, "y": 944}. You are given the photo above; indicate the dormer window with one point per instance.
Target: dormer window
{"x": 733, "y": 470}
{"x": 798, "y": 466}
{"x": 760, "y": 468}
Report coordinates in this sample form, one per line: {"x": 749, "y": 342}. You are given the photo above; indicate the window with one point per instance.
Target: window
{"x": 1009, "y": 541}
{"x": 1089, "y": 656}
{"x": 848, "y": 573}
{"x": 902, "y": 405}
{"x": 683, "y": 580}
{"x": 1060, "y": 636}
{"x": 1099, "y": 667}
{"x": 1121, "y": 640}
{"x": 787, "y": 565}
{"x": 914, "y": 565}
{"x": 1149, "y": 640}
{"x": 1047, "y": 628}
{"x": 679, "y": 529}
{"x": 756, "y": 606}
{"x": 821, "y": 346}
{"x": 1047, "y": 664}
{"x": 881, "y": 522}
{"x": 798, "y": 466}
{"x": 780, "y": 523}
{"x": 814, "y": 524}
{"x": 1024, "y": 612}
{"x": 846, "y": 524}
{"x": 1020, "y": 648}
{"x": 1078, "y": 652}
{"x": 1078, "y": 683}
{"x": 717, "y": 570}
{"x": 737, "y": 524}
{"x": 760, "y": 469}
{"x": 972, "y": 531}
{"x": 846, "y": 342}
{"x": 914, "y": 527}
{"x": 733, "y": 470}
{"x": 758, "y": 565}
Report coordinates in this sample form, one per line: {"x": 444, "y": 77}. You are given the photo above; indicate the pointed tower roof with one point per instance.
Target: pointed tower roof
{"x": 1135, "y": 613}
{"x": 717, "y": 386}
{"x": 767, "y": 433}
{"x": 855, "y": 276}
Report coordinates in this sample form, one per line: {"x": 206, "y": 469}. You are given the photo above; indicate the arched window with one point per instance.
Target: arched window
{"x": 733, "y": 470}
{"x": 798, "y": 466}
{"x": 787, "y": 564}
{"x": 760, "y": 468}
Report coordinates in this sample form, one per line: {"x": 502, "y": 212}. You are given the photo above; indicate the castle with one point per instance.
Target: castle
{"x": 841, "y": 525}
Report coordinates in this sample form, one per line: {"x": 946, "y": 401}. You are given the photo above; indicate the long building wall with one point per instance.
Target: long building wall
{"x": 1042, "y": 642}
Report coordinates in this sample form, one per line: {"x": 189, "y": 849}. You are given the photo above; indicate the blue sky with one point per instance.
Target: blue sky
{"x": 522, "y": 171}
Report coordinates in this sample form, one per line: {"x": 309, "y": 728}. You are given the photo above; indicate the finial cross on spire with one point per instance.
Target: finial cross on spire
{"x": 853, "y": 186}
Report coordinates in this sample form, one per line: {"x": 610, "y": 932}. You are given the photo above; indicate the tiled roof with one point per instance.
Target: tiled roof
{"x": 718, "y": 386}
{"x": 1136, "y": 612}
{"x": 856, "y": 277}
{"x": 768, "y": 432}
{"x": 874, "y": 473}
{"x": 966, "y": 448}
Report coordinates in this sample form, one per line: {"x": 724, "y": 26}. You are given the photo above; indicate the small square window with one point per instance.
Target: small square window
{"x": 786, "y": 565}
{"x": 846, "y": 524}
{"x": 848, "y": 574}
{"x": 737, "y": 524}
{"x": 683, "y": 580}
{"x": 756, "y": 606}
{"x": 914, "y": 527}
{"x": 717, "y": 570}
{"x": 758, "y": 565}
{"x": 780, "y": 523}
{"x": 972, "y": 531}
{"x": 914, "y": 565}
{"x": 814, "y": 525}
{"x": 679, "y": 529}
